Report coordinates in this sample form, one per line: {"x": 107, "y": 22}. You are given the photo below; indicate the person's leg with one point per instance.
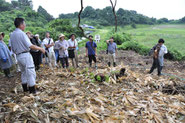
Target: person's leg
{"x": 62, "y": 62}
{"x": 109, "y": 59}
{"x": 90, "y": 60}
{"x": 73, "y": 62}
{"x": 94, "y": 59}
{"x": 67, "y": 62}
{"x": 114, "y": 59}
{"x": 54, "y": 59}
{"x": 6, "y": 72}
{"x": 154, "y": 65}
{"x": 76, "y": 58}
{"x": 22, "y": 65}
{"x": 30, "y": 74}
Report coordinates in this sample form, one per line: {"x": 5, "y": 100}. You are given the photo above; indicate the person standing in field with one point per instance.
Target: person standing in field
{"x": 49, "y": 44}
{"x": 56, "y": 49}
{"x": 112, "y": 51}
{"x": 158, "y": 52}
{"x": 14, "y": 58}
{"x": 36, "y": 54}
{"x": 21, "y": 46}
{"x": 91, "y": 51}
{"x": 73, "y": 53}
{"x": 5, "y": 57}
{"x": 63, "y": 51}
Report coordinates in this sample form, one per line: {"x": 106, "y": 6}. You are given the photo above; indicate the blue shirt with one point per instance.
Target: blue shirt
{"x": 91, "y": 47}
{"x": 112, "y": 47}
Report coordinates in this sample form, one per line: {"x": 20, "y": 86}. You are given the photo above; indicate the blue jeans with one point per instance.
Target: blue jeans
{"x": 57, "y": 55}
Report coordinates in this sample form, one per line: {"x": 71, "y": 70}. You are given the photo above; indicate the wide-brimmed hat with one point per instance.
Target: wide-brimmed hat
{"x": 61, "y": 35}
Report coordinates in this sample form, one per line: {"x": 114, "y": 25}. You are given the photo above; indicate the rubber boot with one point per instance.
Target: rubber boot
{"x": 114, "y": 64}
{"x": 32, "y": 90}
{"x": 109, "y": 64}
{"x": 25, "y": 87}
{"x": 6, "y": 72}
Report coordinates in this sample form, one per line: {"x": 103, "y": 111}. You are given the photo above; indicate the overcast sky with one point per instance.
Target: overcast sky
{"x": 171, "y": 9}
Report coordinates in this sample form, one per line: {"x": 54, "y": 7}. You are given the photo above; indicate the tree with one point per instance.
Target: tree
{"x": 114, "y": 12}
{"x": 43, "y": 12}
{"x": 79, "y": 18}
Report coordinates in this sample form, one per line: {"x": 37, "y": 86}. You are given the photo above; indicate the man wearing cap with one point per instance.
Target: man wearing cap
{"x": 63, "y": 51}
{"x": 5, "y": 57}
{"x": 21, "y": 46}
{"x": 49, "y": 44}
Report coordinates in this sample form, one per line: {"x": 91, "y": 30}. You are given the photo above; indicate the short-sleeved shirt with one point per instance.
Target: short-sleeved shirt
{"x": 91, "y": 47}
{"x": 56, "y": 45}
{"x": 20, "y": 42}
{"x": 63, "y": 45}
{"x": 46, "y": 42}
{"x": 73, "y": 43}
{"x": 112, "y": 47}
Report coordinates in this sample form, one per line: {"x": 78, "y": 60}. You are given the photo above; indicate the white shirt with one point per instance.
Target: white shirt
{"x": 73, "y": 43}
{"x": 163, "y": 51}
{"x": 46, "y": 41}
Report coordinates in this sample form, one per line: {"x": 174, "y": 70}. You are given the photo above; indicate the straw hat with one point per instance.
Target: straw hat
{"x": 61, "y": 35}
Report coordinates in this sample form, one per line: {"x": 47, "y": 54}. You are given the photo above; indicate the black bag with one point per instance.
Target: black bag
{"x": 71, "y": 53}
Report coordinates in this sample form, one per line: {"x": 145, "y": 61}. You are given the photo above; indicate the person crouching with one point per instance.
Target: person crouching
{"x": 63, "y": 51}
{"x": 5, "y": 57}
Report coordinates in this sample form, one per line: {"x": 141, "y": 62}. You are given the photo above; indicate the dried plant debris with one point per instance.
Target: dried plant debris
{"x": 106, "y": 95}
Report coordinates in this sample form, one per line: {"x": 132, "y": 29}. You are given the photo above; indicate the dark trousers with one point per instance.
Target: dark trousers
{"x": 7, "y": 72}
{"x": 92, "y": 58}
{"x": 155, "y": 65}
{"x": 36, "y": 58}
{"x": 64, "y": 62}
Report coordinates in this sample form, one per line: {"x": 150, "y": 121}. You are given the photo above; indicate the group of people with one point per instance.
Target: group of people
{"x": 29, "y": 51}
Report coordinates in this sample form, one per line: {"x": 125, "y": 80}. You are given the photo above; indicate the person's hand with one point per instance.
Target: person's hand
{"x": 4, "y": 60}
{"x": 42, "y": 50}
{"x": 86, "y": 55}
{"x": 95, "y": 54}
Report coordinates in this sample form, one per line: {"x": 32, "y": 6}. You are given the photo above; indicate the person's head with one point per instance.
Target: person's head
{"x": 72, "y": 36}
{"x": 112, "y": 39}
{"x": 29, "y": 34}
{"x": 161, "y": 41}
{"x": 2, "y": 34}
{"x": 90, "y": 37}
{"x": 47, "y": 35}
{"x": 37, "y": 36}
{"x": 20, "y": 23}
{"x": 61, "y": 37}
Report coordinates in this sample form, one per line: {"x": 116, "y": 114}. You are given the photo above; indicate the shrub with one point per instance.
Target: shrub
{"x": 121, "y": 38}
{"x": 135, "y": 46}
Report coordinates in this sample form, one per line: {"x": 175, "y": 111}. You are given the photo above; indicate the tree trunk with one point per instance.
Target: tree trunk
{"x": 114, "y": 12}
{"x": 79, "y": 18}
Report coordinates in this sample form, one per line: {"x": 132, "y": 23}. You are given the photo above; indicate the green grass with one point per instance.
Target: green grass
{"x": 147, "y": 36}
{"x": 174, "y": 36}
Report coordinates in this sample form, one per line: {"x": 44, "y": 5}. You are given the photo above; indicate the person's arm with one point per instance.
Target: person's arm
{"x": 34, "y": 47}
{"x": 86, "y": 52}
{"x": 107, "y": 41}
{"x": 95, "y": 51}
{"x": 2, "y": 54}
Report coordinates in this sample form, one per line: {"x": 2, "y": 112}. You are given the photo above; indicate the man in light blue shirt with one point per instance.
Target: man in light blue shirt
{"x": 21, "y": 46}
{"x": 158, "y": 51}
{"x": 112, "y": 50}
